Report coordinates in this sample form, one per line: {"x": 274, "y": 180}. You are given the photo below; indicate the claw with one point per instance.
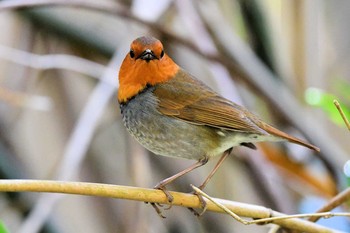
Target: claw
{"x": 157, "y": 205}
{"x": 156, "y": 208}
{"x": 168, "y": 196}
{"x": 166, "y": 192}
{"x": 203, "y": 206}
{"x": 161, "y": 185}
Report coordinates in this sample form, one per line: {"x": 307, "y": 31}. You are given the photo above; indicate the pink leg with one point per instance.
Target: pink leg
{"x": 211, "y": 174}
{"x": 202, "y": 186}
{"x": 161, "y": 185}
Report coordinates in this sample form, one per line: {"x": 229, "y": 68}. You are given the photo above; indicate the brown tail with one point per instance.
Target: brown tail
{"x": 276, "y": 132}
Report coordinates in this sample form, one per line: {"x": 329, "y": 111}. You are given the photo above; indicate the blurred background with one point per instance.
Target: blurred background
{"x": 59, "y": 117}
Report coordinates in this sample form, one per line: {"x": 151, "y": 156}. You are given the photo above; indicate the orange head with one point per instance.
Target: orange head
{"x": 145, "y": 65}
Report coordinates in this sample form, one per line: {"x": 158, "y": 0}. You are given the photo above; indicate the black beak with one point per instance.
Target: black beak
{"x": 148, "y": 55}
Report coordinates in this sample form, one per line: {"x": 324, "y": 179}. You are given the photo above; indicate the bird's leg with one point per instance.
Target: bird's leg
{"x": 161, "y": 185}
{"x": 202, "y": 186}
{"x": 218, "y": 164}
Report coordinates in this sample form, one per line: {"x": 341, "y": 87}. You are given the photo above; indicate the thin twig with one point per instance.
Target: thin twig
{"x": 323, "y": 214}
{"x": 269, "y": 219}
{"x": 53, "y": 61}
{"x": 346, "y": 121}
{"x": 333, "y": 203}
{"x": 156, "y": 196}
{"x": 224, "y": 208}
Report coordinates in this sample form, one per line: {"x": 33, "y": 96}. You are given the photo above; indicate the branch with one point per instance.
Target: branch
{"x": 53, "y": 61}
{"x": 157, "y": 196}
{"x": 333, "y": 203}
{"x": 270, "y": 219}
{"x": 342, "y": 114}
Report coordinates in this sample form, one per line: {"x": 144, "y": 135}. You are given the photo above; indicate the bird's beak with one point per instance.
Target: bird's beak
{"x": 148, "y": 55}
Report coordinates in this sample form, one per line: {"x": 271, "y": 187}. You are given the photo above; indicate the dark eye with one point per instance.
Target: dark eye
{"x": 162, "y": 54}
{"x": 132, "y": 53}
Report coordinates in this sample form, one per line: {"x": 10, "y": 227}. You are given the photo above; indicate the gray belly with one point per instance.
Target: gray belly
{"x": 164, "y": 135}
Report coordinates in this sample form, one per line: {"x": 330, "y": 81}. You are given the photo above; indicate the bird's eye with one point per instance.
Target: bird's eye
{"x": 132, "y": 53}
{"x": 162, "y": 54}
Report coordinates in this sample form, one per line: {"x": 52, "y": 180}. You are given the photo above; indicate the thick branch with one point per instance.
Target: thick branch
{"x": 157, "y": 196}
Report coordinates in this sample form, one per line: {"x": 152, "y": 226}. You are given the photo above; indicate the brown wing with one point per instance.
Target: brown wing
{"x": 189, "y": 99}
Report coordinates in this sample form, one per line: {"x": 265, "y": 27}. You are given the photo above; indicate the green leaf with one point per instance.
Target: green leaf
{"x": 319, "y": 98}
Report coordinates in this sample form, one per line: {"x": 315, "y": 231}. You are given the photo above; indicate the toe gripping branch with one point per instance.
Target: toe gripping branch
{"x": 161, "y": 185}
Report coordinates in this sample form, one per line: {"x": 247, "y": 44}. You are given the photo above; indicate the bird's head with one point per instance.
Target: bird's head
{"x": 146, "y": 64}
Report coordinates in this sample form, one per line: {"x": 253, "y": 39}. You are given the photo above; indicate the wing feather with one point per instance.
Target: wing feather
{"x": 188, "y": 99}
{"x": 185, "y": 97}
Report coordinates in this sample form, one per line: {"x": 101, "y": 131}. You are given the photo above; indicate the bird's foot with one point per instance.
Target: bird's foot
{"x": 157, "y": 209}
{"x": 203, "y": 205}
{"x": 158, "y": 206}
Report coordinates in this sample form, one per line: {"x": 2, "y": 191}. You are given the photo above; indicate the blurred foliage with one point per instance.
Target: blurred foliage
{"x": 3, "y": 229}
{"x": 324, "y": 100}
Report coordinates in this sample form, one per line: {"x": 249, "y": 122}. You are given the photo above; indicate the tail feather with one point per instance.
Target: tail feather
{"x": 276, "y": 132}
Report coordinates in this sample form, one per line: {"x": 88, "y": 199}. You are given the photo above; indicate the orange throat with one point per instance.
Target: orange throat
{"x": 135, "y": 75}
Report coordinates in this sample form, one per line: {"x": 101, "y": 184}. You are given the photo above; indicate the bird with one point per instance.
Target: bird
{"x": 172, "y": 113}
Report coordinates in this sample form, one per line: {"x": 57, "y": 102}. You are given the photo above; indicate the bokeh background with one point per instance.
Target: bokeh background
{"x": 285, "y": 60}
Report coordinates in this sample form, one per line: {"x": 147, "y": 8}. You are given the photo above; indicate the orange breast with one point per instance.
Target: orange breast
{"x": 135, "y": 75}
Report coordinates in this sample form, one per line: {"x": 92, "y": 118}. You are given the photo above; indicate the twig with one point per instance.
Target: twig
{"x": 224, "y": 208}
{"x": 333, "y": 203}
{"x": 156, "y": 196}
{"x": 337, "y": 105}
{"x": 270, "y": 219}
{"x": 53, "y": 61}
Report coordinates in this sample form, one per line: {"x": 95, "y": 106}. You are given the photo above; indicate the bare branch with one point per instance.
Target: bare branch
{"x": 156, "y": 196}
{"x": 273, "y": 218}
{"x": 333, "y": 203}
{"x": 52, "y": 61}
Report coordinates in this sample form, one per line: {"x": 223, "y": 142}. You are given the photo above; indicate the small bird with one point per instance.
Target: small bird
{"x": 172, "y": 113}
